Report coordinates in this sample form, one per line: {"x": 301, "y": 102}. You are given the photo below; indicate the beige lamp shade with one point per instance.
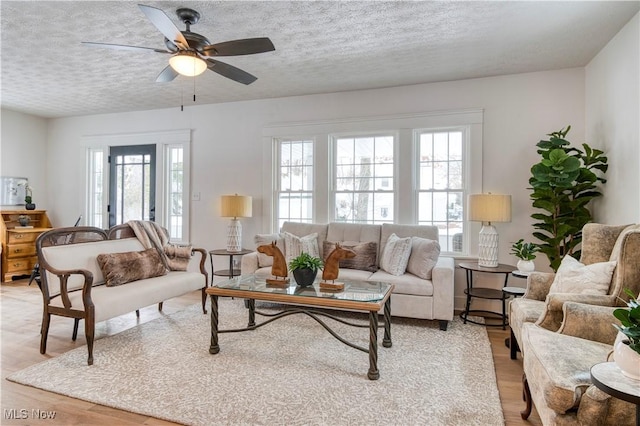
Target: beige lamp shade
{"x": 489, "y": 208}
{"x": 235, "y": 206}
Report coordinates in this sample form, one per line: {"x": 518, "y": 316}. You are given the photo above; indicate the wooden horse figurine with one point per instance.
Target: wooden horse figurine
{"x": 279, "y": 268}
{"x": 331, "y": 268}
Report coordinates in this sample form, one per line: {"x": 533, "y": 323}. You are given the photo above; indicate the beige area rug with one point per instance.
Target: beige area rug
{"x": 289, "y": 372}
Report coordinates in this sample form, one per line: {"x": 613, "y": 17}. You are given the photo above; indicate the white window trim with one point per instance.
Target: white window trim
{"x": 405, "y": 125}
{"x": 162, "y": 140}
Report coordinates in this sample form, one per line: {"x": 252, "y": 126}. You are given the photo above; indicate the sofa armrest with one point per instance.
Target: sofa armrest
{"x": 443, "y": 289}
{"x": 591, "y": 322}
{"x": 538, "y": 285}
{"x": 552, "y": 315}
{"x": 203, "y": 258}
{"x": 249, "y": 263}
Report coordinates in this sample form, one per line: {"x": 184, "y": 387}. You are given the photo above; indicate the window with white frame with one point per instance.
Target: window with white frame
{"x": 363, "y": 176}
{"x": 412, "y": 169}
{"x": 175, "y": 174}
{"x": 95, "y": 183}
{"x": 440, "y": 184}
{"x": 295, "y": 182}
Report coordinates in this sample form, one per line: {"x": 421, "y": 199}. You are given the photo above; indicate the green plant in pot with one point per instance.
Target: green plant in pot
{"x": 526, "y": 252}
{"x": 564, "y": 182}
{"x": 28, "y": 197}
{"x": 626, "y": 349}
{"x": 305, "y": 268}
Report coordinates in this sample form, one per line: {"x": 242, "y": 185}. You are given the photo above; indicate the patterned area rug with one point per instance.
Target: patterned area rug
{"x": 289, "y": 372}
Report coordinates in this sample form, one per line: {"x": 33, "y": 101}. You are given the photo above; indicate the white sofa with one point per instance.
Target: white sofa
{"x": 73, "y": 284}
{"x": 413, "y": 297}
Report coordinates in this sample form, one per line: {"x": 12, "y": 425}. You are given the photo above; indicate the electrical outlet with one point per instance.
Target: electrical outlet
{"x": 195, "y": 196}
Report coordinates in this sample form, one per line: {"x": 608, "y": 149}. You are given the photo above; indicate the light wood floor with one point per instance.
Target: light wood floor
{"x": 20, "y": 343}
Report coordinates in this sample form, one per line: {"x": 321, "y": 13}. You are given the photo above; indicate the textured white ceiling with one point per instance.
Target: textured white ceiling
{"x": 321, "y": 47}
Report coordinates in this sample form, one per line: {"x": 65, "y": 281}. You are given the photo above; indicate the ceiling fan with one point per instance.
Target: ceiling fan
{"x": 192, "y": 52}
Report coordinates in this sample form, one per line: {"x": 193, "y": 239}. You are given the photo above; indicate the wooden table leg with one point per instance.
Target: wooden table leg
{"x": 214, "y": 348}
{"x": 373, "y": 374}
{"x": 252, "y": 312}
{"x": 386, "y": 341}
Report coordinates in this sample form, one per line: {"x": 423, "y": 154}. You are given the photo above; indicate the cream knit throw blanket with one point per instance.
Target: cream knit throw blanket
{"x": 151, "y": 235}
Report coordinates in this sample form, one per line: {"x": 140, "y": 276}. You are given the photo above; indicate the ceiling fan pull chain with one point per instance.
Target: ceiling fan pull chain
{"x": 181, "y": 97}
{"x": 194, "y": 89}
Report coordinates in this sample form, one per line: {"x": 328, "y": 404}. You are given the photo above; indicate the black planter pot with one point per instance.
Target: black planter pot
{"x": 304, "y": 277}
{"x": 30, "y": 206}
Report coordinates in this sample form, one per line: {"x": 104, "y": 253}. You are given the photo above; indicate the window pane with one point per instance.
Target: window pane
{"x": 440, "y": 186}
{"x": 294, "y": 193}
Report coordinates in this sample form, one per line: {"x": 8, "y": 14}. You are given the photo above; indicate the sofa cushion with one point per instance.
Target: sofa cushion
{"x": 83, "y": 256}
{"x": 353, "y": 274}
{"x": 302, "y": 229}
{"x": 396, "y": 255}
{"x": 355, "y": 232}
{"x": 115, "y": 301}
{"x": 422, "y": 231}
{"x": 575, "y": 277}
{"x": 424, "y": 256}
{"x": 295, "y": 245}
{"x": 366, "y": 255}
{"x": 262, "y": 239}
{"x": 123, "y": 268}
{"x": 558, "y": 365}
{"x": 404, "y": 284}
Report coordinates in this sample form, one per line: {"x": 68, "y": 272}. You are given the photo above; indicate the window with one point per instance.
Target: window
{"x": 95, "y": 184}
{"x": 363, "y": 179}
{"x": 440, "y": 186}
{"x": 412, "y": 169}
{"x": 294, "y": 190}
{"x": 176, "y": 195}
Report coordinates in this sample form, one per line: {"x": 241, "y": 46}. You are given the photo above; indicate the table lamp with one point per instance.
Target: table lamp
{"x": 235, "y": 206}
{"x": 489, "y": 208}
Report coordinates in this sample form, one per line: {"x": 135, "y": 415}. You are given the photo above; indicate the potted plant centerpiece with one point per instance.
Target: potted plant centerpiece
{"x": 28, "y": 200}
{"x": 305, "y": 268}
{"x": 526, "y": 252}
{"x": 626, "y": 349}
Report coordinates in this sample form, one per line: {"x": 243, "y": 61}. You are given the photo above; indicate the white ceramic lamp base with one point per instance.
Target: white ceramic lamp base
{"x": 234, "y": 236}
{"x": 488, "y": 247}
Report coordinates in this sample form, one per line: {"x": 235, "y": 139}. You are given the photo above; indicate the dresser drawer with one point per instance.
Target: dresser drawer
{"x": 21, "y": 237}
{"x": 20, "y": 250}
{"x": 20, "y": 264}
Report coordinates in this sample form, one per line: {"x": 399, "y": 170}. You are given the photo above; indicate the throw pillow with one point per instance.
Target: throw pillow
{"x": 366, "y": 255}
{"x": 295, "y": 245}
{"x": 424, "y": 256}
{"x": 576, "y": 277}
{"x": 395, "y": 255}
{"x": 262, "y": 239}
{"x": 122, "y": 268}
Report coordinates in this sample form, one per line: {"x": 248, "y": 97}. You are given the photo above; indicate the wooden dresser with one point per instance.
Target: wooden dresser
{"x": 19, "y": 244}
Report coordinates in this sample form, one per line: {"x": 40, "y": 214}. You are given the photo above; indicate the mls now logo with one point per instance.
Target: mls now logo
{"x": 23, "y": 413}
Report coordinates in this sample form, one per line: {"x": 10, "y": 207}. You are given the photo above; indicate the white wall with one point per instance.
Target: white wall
{"x": 23, "y": 151}
{"x": 519, "y": 110}
{"x": 612, "y": 109}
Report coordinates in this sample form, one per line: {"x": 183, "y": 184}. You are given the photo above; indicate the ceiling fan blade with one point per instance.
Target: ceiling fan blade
{"x": 229, "y": 71}
{"x": 167, "y": 75}
{"x": 247, "y": 46}
{"x": 165, "y": 25}
{"x": 123, "y": 47}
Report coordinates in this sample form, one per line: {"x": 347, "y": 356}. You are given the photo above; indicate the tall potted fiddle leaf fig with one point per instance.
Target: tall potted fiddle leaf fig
{"x": 563, "y": 183}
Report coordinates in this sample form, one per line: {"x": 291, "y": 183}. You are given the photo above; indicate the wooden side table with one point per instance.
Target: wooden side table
{"x": 485, "y": 293}
{"x": 231, "y": 272}
{"x": 608, "y": 378}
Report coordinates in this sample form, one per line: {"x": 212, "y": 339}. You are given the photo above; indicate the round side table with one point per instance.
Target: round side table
{"x": 608, "y": 378}
{"x": 231, "y": 272}
{"x": 485, "y": 293}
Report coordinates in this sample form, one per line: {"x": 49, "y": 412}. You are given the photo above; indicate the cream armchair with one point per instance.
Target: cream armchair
{"x": 556, "y": 369}
{"x": 600, "y": 243}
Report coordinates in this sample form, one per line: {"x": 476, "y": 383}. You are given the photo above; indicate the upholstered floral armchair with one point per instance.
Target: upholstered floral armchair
{"x": 557, "y": 369}
{"x": 600, "y": 243}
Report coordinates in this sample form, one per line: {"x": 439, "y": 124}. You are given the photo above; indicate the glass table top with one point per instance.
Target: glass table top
{"x": 360, "y": 291}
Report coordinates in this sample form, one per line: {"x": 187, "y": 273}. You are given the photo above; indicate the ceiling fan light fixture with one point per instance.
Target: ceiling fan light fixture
{"x": 188, "y": 64}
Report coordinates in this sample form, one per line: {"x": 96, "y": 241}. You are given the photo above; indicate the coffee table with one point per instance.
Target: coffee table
{"x": 357, "y": 295}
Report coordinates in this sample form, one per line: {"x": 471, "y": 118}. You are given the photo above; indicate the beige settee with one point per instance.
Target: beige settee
{"x": 73, "y": 284}
{"x": 557, "y": 364}
{"x": 413, "y": 297}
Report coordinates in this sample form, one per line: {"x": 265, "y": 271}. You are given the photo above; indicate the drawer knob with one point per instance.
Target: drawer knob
{"x": 17, "y": 265}
{"x": 19, "y": 236}
{"x": 17, "y": 250}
